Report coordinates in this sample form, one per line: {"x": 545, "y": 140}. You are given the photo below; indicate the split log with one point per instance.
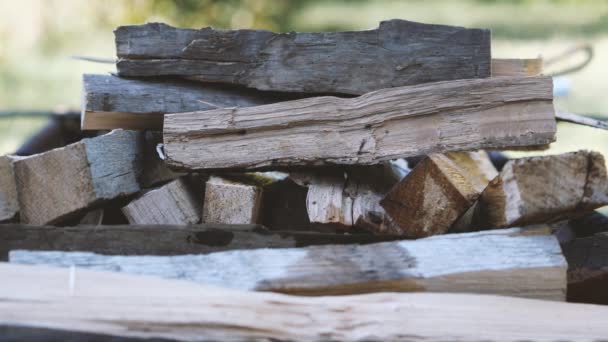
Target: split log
{"x": 173, "y": 203}
{"x": 62, "y": 182}
{"x": 438, "y": 191}
{"x": 9, "y": 203}
{"x": 516, "y": 67}
{"x": 111, "y": 102}
{"x": 543, "y": 189}
{"x": 398, "y": 53}
{"x": 229, "y": 202}
{"x": 507, "y": 262}
{"x": 164, "y": 239}
{"x": 387, "y": 124}
{"x": 104, "y": 305}
{"x": 587, "y": 268}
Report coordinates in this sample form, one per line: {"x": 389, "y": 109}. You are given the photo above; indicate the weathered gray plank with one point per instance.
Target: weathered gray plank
{"x": 506, "y": 262}
{"x": 387, "y": 124}
{"x": 398, "y": 53}
{"x": 111, "y": 102}
{"x": 54, "y": 185}
{"x": 123, "y": 306}
{"x": 164, "y": 239}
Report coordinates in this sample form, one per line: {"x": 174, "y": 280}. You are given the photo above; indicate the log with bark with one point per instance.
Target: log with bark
{"x": 543, "y": 189}
{"x": 509, "y": 262}
{"x": 387, "y": 124}
{"x": 397, "y": 53}
{"x": 57, "y": 184}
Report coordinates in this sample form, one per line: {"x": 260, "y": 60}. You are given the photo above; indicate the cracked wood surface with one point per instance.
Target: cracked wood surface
{"x": 513, "y": 262}
{"x": 165, "y": 239}
{"x": 111, "y": 102}
{"x": 397, "y": 53}
{"x": 55, "y": 185}
{"x": 543, "y": 189}
{"x": 387, "y": 124}
{"x": 105, "y": 305}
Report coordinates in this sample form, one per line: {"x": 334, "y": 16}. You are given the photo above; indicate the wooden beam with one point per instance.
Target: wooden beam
{"x": 231, "y": 202}
{"x": 103, "y": 305}
{"x": 397, "y": 53}
{"x": 438, "y": 191}
{"x": 386, "y": 124}
{"x": 174, "y": 203}
{"x": 543, "y": 189}
{"x": 62, "y": 182}
{"x": 516, "y": 67}
{"x": 508, "y": 262}
{"x": 164, "y": 239}
{"x": 9, "y": 203}
{"x": 111, "y": 102}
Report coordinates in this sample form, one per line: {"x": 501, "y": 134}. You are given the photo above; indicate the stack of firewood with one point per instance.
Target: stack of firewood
{"x": 226, "y": 145}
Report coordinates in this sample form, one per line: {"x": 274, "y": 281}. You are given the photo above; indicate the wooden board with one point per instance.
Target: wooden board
{"x": 516, "y": 67}
{"x": 9, "y": 203}
{"x": 164, "y": 239}
{"x": 387, "y": 124}
{"x": 231, "y": 202}
{"x": 59, "y": 183}
{"x": 507, "y": 262}
{"x": 113, "y": 305}
{"x": 176, "y": 202}
{"x": 430, "y": 199}
{"x": 397, "y": 53}
{"x": 543, "y": 189}
{"x": 111, "y": 102}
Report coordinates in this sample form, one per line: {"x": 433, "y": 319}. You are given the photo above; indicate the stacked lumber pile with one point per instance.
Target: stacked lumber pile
{"x": 333, "y": 163}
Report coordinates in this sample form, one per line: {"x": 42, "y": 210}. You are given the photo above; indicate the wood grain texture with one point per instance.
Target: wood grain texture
{"x": 587, "y": 268}
{"x": 387, "y": 124}
{"x": 9, "y": 203}
{"x": 543, "y": 189}
{"x": 59, "y": 183}
{"x": 111, "y": 102}
{"x": 437, "y": 192}
{"x": 516, "y": 67}
{"x": 173, "y": 203}
{"x": 164, "y": 239}
{"x": 507, "y": 262}
{"x": 118, "y": 305}
{"x": 230, "y": 202}
{"x": 397, "y": 53}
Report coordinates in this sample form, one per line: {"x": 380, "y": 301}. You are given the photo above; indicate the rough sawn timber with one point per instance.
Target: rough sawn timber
{"x": 111, "y": 102}
{"x": 54, "y": 185}
{"x": 397, "y": 53}
{"x": 165, "y": 239}
{"x": 386, "y": 124}
{"x": 507, "y": 262}
{"x": 111, "y": 306}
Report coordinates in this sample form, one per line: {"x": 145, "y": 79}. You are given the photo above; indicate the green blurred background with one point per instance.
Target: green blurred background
{"x": 38, "y": 38}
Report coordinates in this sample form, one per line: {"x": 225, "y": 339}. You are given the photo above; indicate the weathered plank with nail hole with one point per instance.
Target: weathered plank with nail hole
{"x": 397, "y": 53}
{"x": 543, "y": 189}
{"x": 507, "y": 262}
{"x": 59, "y": 183}
{"x": 104, "y": 305}
{"x": 387, "y": 124}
